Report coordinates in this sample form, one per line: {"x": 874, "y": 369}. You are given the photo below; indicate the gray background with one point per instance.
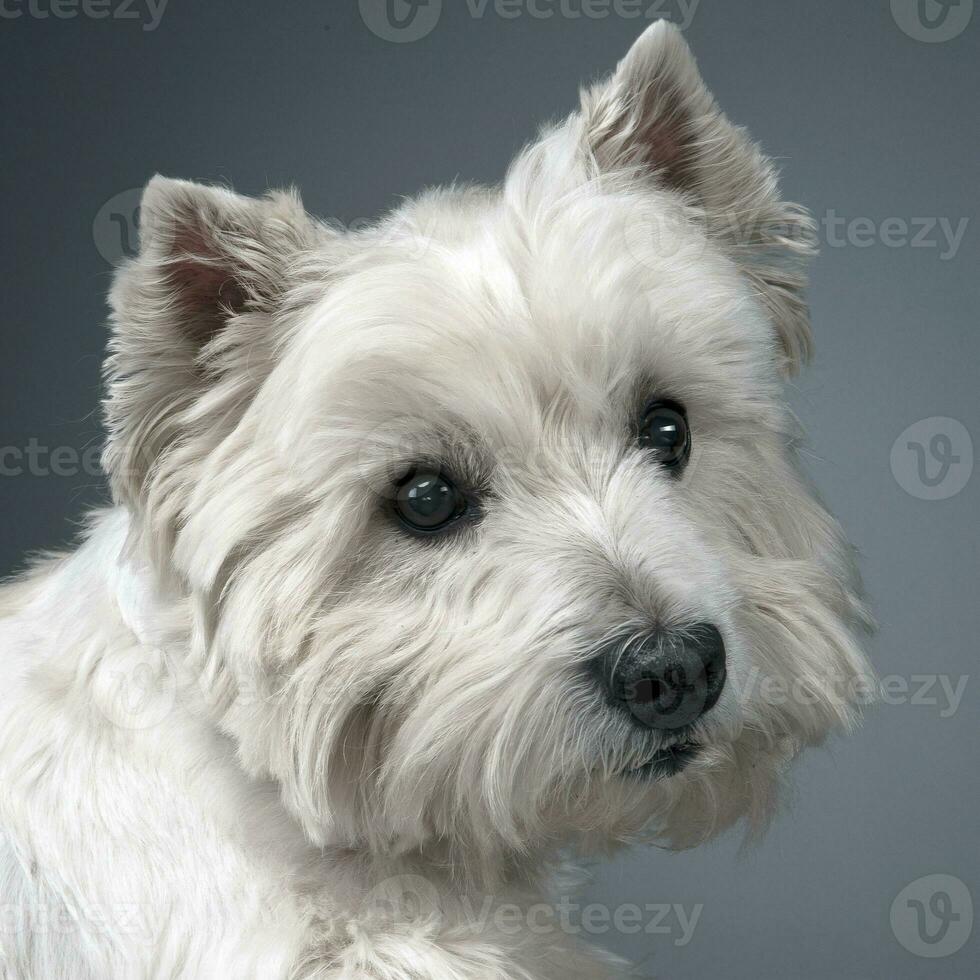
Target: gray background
{"x": 868, "y": 122}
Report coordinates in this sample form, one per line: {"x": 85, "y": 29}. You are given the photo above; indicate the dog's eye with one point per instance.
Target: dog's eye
{"x": 427, "y": 501}
{"x": 664, "y": 430}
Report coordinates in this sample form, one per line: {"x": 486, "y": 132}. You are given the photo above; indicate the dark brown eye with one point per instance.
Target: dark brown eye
{"x": 664, "y": 430}
{"x": 428, "y": 502}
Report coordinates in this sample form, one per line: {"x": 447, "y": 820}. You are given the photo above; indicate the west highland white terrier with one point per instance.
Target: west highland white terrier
{"x": 439, "y": 551}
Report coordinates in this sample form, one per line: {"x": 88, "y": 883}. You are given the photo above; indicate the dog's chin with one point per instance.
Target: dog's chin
{"x": 686, "y": 792}
{"x": 667, "y": 762}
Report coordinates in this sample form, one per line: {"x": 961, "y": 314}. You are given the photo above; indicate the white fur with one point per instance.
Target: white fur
{"x": 344, "y": 739}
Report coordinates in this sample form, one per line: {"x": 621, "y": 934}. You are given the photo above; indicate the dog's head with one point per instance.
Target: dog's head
{"x": 488, "y": 516}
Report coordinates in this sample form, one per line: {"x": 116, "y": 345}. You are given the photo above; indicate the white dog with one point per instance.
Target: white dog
{"x": 438, "y": 549}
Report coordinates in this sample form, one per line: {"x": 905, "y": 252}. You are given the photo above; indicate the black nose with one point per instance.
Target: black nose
{"x": 665, "y": 679}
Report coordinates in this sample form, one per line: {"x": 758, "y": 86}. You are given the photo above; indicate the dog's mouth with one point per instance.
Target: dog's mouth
{"x": 667, "y": 762}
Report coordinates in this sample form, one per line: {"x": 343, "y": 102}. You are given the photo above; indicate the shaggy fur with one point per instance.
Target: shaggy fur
{"x": 251, "y": 728}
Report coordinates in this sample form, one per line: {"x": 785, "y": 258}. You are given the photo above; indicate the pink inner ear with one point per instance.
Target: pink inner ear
{"x": 204, "y": 285}
{"x": 664, "y": 134}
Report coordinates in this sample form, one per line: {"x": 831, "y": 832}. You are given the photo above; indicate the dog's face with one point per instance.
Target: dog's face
{"x": 488, "y": 516}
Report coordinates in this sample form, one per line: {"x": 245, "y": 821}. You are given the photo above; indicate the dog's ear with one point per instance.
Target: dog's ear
{"x": 655, "y": 116}
{"x": 192, "y": 318}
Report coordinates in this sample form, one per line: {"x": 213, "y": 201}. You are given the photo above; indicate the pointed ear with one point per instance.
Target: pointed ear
{"x": 192, "y": 317}
{"x": 655, "y": 116}
{"x": 210, "y": 254}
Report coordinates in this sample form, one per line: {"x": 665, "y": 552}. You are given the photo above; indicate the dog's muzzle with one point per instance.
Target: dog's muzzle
{"x": 665, "y": 679}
